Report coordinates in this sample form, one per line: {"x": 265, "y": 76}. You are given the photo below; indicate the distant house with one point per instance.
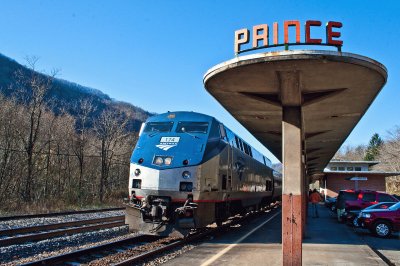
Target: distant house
{"x": 355, "y": 175}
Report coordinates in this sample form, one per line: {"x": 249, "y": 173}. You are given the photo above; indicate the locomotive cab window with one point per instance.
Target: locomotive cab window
{"x": 158, "y": 127}
{"x": 241, "y": 145}
{"x": 222, "y": 132}
{"x": 237, "y": 142}
{"x": 246, "y": 148}
{"x": 192, "y": 127}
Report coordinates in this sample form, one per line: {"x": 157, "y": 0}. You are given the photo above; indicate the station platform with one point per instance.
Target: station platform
{"x": 327, "y": 242}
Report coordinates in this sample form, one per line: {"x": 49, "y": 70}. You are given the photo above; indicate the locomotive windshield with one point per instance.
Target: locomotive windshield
{"x": 158, "y": 126}
{"x": 192, "y": 127}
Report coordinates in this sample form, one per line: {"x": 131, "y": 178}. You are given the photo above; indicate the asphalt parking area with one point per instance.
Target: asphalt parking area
{"x": 387, "y": 248}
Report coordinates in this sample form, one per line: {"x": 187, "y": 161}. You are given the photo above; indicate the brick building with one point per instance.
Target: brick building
{"x": 355, "y": 175}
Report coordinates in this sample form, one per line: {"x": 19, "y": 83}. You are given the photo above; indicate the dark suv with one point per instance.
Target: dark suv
{"x": 381, "y": 222}
{"x": 361, "y": 199}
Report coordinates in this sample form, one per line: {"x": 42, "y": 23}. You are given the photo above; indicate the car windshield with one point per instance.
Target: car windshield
{"x": 158, "y": 127}
{"x": 192, "y": 127}
{"x": 379, "y": 205}
{"x": 395, "y": 207}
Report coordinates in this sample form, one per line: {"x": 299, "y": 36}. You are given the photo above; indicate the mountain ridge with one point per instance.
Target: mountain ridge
{"x": 65, "y": 95}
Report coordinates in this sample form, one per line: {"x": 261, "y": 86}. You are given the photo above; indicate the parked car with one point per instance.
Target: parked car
{"x": 361, "y": 199}
{"x": 330, "y": 203}
{"x": 381, "y": 222}
{"x": 351, "y": 217}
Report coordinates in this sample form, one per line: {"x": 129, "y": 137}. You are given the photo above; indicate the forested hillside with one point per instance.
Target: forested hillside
{"x": 61, "y": 144}
{"x": 62, "y": 95}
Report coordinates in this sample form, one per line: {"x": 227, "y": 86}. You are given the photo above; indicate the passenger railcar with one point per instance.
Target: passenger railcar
{"x": 188, "y": 170}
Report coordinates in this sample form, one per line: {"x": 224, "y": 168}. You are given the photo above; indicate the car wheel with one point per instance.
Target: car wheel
{"x": 355, "y": 222}
{"x": 382, "y": 229}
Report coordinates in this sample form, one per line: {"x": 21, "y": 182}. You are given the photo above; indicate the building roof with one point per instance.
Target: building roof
{"x": 354, "y": 162}
{"x": 363, "y": 173}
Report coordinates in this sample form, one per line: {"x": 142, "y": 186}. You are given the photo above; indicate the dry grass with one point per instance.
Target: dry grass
{"x": 393, "y": 185}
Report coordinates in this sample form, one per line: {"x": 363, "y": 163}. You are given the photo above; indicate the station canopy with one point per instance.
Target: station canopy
{"x": 336, "y": 90}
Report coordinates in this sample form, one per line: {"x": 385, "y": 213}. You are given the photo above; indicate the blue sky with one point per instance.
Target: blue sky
{"x": 154, "y": 54}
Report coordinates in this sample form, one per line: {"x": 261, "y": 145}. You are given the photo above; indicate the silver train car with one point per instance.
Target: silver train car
{"x": 188, "y": 170}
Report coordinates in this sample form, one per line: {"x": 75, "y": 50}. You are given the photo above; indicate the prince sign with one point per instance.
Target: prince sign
{"x": 260, "y": 36}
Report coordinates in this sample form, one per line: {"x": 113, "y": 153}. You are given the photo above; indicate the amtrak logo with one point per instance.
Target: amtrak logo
{"x": 165, "y": 147}
{"x": 167, "y": 143}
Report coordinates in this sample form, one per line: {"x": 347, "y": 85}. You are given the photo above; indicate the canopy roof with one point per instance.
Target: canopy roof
{"x": 336, "y": 89}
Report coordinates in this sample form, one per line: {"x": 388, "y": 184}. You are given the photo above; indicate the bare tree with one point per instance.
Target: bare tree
{"x": 389, "y": 155}
{"x": 80, "y": 141}
{"x": 111, "y": 132}
{"x": 9, "y": 159}
{"x": 37, "y": 86}
{"x": 352, "y": 153}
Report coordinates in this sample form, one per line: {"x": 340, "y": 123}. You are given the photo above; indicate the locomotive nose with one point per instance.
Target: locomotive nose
{"x": 176, "y": 179}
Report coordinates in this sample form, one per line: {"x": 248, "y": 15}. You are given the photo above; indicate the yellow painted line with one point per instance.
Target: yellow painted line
{"x": 222, "y": 252}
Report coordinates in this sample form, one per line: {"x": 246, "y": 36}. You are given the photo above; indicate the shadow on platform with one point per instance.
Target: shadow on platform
{"x": 327, "y": 242}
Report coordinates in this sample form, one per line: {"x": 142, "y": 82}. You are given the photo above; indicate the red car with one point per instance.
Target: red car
{"x": 361, "y": 199}
{"x": 381, "y": 222}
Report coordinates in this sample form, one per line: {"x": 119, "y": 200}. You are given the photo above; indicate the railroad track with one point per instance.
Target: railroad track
{"x": 86, "y": 255}
{"x": 135, "y": 260}
{"x": 137, "y": 249}
{"x": 41, "y": 215}
{"x": 40, "y": 232}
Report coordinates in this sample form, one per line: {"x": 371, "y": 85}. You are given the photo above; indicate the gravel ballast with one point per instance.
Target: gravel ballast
{"x": 12, "y": 224}
{"x": 18, "y": 254}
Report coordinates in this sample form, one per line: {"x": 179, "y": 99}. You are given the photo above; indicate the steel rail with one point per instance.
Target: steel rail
{"x": 61, "y": 232}
{"x": 41, "y": 215}
{"x": 87, "y": 251}
{"x": 135, "y": 260}
{"x": 36, "y": 228}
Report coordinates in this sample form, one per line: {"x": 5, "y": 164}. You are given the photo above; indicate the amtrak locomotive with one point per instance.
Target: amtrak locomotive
{"x": 188, "y": 170}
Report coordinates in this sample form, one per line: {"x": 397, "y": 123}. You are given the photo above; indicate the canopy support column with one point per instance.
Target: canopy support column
{"x": 293, "y": 204}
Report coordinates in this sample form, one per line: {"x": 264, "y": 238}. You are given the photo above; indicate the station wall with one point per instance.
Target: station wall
{"x": 336, "y": 182}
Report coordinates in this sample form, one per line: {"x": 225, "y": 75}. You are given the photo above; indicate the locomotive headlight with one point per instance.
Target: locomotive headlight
{"x": 137, "y": 172}
{"x": 158, "y": 160}
{"x": 167, "y": 160}
{"x": 186, "y": 175}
